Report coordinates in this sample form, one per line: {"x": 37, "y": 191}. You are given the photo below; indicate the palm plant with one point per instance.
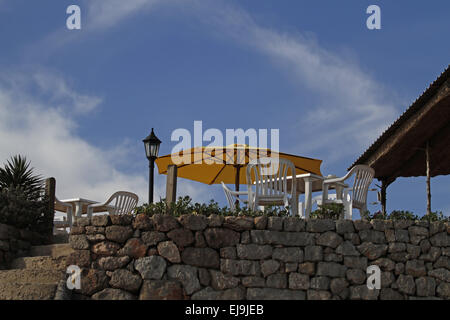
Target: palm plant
{"x": 18, "y": 175}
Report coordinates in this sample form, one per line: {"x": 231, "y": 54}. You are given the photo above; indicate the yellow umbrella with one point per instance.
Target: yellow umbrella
{"x": 213, "y": 165}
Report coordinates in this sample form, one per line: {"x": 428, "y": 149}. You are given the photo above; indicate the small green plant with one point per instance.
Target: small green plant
{"x": 405, "y": 215}
{"x": 402, "y": 215}
{"x": 328, "y": 211}
{"x": 274, "y": 210}
{"x": 435, "y": 216}
{"x": 366, "y": 215}
{"x": 182, "y": 206}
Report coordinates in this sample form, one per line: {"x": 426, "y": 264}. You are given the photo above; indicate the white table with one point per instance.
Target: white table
{"x": 80, "y": 206}
{"x": 308, "y": 183}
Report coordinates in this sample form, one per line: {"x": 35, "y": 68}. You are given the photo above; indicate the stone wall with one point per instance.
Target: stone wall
{"x": 198, "y": 257}
{"x": 15, "y": 242}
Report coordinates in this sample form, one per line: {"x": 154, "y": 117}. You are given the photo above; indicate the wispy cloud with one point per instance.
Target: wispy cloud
{"x": 97, "y": 16}
{"x": 103, "y": 14}
{"x": 52, "y": 87}
{"x": 352, "y": 109}
{"x": 60, "y": 92}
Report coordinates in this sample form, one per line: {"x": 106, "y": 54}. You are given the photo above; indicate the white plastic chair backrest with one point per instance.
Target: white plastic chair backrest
{"x": 269, "y": 176}
{"x": 229, "y": 196}
{"x": 363, "y": 178}
{"x": 123, "y": 202}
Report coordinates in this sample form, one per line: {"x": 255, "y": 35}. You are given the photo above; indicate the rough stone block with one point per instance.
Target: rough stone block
{"x": 201, "y": 257}
{"x": 101, "y": 220}
{"x": 182, "y": 237}
{"x": 331, "y": 269}
{"x": 294, "y": 224}
{"x": 187, "y": 275}
{"x": 161, "y": 290}
{"x": 274, "y": 294}
{"x": 291, "y": 254}
{"x": 194, "y": 222}
{"x": 320, "y": 225}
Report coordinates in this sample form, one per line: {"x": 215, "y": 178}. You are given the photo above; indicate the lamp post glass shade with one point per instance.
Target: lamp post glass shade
{"x": 151, "y": 146}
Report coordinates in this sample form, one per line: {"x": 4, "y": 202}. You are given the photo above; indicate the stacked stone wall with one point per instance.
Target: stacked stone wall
{"x": 16, "y": 242}
{"x": 248, "y": 258}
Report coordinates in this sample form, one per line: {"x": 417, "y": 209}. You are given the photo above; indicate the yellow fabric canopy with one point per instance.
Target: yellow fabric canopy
{"x": 213, "y": 165}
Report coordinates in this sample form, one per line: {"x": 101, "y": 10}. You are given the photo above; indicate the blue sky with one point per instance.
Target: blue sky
{"x": 79, "y": 102}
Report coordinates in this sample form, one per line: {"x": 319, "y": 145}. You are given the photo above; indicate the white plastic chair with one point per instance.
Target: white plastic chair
{"x": 121, "y": 202}
{"x": 232, "y": 196}
{"x": 270, "y": 181}
{"x": 67, "y": 222}
{"x": 358, "y": 198}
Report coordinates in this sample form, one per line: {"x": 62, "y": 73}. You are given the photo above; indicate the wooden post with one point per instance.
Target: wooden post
{"x": 50, "y": 189}
{"x": 383, "y": 197}
{"x": 427, "y": 153}
{"x": 171, "y": 186}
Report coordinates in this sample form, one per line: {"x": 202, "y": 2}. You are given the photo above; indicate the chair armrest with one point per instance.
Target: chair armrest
{"x": 238, "y": 193}
{"x": 90, "y": 208}
{"x": 96, "y": 205}
{"x": 334, "y": 180}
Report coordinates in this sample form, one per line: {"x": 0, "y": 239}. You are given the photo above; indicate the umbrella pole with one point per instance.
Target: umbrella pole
{"x": 427, "y": 152}
{"x": 238, "y": 168}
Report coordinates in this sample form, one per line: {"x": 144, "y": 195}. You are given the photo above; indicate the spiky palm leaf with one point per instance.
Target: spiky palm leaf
{"x": 17, "y": 174}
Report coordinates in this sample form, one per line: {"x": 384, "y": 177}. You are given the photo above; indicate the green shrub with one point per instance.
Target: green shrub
{"x": 402, "y": 215}
{"x": 435, "y": 216}
{"x": 184, "y": 205}
{"x": 17, "y": 210}
{"x": 328, "y": 211}
{"x": 405, "y": 215}
{"x": 334, "y": 211}
{"x": 366, "y": 215}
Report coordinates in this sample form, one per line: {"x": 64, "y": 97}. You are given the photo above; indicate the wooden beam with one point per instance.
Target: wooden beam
{"x": 414, "y": 131}
{"x": 427, "y": 152}
{"x": 50, "y": 190}
{"x": 171, "y": 185}
{"x": 383, "y": 197}
{"x": 385, "y": 182}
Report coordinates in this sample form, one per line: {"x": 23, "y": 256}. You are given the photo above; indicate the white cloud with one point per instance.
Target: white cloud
{"x": 60, "y": 92}
{"x": 33, "y": 125}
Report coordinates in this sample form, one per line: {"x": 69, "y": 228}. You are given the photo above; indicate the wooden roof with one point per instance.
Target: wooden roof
{"x": 400, "y": 150}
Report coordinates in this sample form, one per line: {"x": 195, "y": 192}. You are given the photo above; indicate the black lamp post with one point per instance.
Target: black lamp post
{"x": 151, "y": 151}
